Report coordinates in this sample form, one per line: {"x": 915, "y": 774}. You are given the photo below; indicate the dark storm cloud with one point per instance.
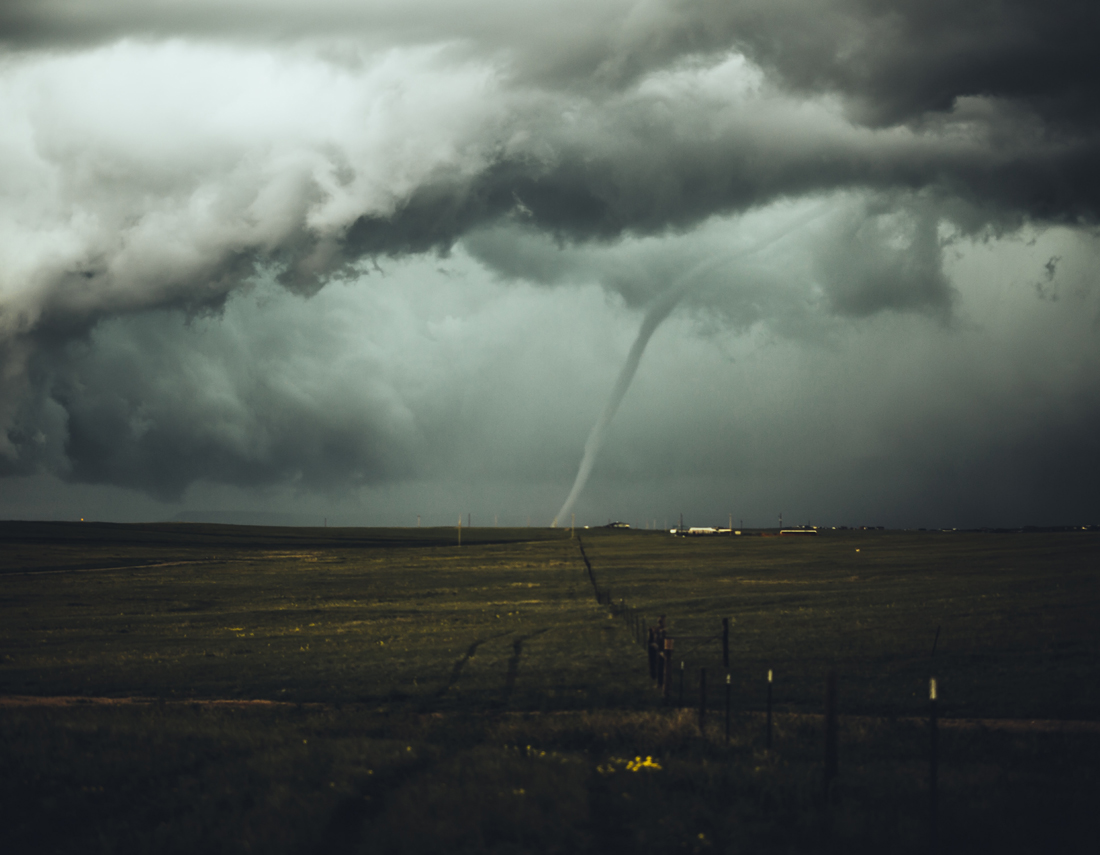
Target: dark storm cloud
{"x": 884, "y": 256}
{"x": 582, "y": 123}
{"x": 986, "y": 102}
{"x": 659, "y": 174}
{"x": 407, "y": 375}
{"x": 156, "y": 403}
{"x": 898, "y": 59}
{"x": 999, "y": 97}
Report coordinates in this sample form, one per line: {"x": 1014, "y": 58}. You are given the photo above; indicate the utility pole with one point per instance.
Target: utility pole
{"x": 460, "y": 529}
{"x": 572, "y": 524}
{"x": 418, "y": 520}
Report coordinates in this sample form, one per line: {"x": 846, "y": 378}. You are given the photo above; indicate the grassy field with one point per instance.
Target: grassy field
{"x": 1018, "y": 615}
{"x": 185, "y": 688}
{"x": 322, "y": 617}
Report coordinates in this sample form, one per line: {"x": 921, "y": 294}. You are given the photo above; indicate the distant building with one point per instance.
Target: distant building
{"x": 617, "y": 525}
{"x": 786, "y": 531}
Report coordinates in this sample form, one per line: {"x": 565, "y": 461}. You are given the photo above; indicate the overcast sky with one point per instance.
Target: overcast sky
{"x": 374, "y": 260}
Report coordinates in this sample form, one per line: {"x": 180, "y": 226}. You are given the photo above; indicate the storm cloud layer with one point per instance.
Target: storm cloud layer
{"x": 163, "y": 168}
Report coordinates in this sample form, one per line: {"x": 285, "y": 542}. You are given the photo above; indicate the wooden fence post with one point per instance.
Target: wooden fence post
{"x": 768, "y": 724}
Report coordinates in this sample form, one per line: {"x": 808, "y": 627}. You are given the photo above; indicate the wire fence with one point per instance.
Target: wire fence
{"x": 664, "y": 649}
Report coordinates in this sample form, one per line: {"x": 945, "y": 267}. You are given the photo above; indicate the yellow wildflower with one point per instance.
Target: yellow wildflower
{"x": 638, "y": 764}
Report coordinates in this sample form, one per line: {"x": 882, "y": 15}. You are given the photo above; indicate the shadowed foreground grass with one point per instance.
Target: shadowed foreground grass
{"x": 187, "y": 778}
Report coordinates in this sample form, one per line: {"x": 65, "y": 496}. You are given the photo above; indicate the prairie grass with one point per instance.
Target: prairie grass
{"x": 297, "y": 691}
{"x": 185, "y": 777}
{"x": 1018, "y": 615}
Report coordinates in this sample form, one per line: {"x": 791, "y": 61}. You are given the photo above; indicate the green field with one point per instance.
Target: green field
{"x": 238, "y": 689}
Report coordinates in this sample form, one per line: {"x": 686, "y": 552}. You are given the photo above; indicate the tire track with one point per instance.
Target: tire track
{"x": 460, "y": 663}
{"x": 513, "y": 662}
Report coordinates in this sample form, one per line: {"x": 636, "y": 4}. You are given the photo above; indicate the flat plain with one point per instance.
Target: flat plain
{"x": 183, "y": 688}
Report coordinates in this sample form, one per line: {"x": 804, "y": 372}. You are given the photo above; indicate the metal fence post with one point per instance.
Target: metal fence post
{"x": 652, "y": 653}
{"x": 933, "y": 769}
{"x": 668, "y": 665}
{"x": 727, "y": 708}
